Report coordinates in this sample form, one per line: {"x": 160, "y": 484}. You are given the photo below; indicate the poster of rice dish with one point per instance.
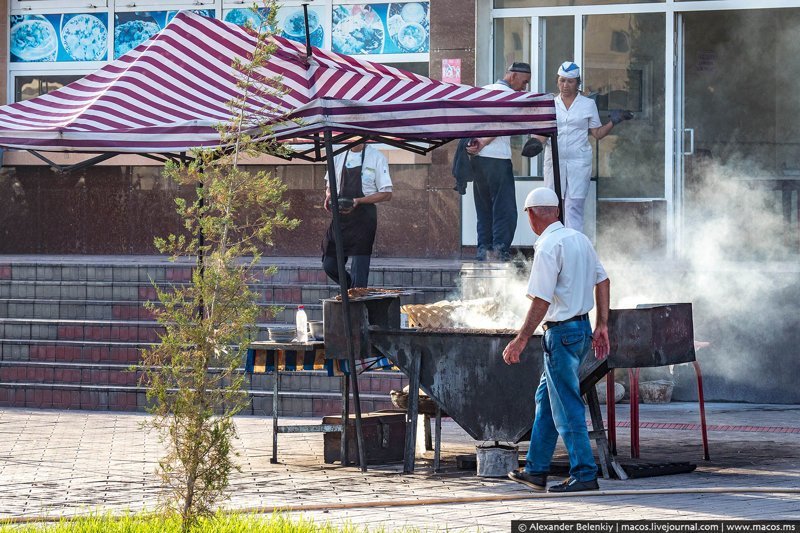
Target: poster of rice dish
{"x": 59, "y": 37}
{"x": 395, "y": 28}
{"x": 133, "y": 28}
{"x": 292, "y": 25}
{"x": 245, "y": 16}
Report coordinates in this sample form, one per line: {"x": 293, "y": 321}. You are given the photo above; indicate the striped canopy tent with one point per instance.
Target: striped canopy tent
{"x": 167, "y": 96}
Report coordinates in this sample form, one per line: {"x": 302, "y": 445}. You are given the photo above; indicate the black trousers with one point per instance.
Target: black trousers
{"x": 359, "y": 269}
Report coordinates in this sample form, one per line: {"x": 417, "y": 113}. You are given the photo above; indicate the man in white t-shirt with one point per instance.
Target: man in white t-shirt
{"x": 565, "y": 273}
{"x": 493, "y": 184}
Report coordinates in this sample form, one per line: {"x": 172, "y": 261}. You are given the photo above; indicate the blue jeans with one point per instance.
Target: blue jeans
{"x": 559, "y": 407}
{"x": 495, "y": 205}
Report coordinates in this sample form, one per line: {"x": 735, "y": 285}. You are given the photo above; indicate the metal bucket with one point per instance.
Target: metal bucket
{"x": 497, "y": 461}
{"x": 656, "y": 391}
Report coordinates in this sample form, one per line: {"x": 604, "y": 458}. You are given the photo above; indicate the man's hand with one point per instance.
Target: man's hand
{"x": 600, "y": 342}
{"x": 513, "y": 350}
{"x": 533, "y": 318}
{"x": 602, "y": 293}
{"x": 327, "y": 203}
{"x": 477, "y": 144}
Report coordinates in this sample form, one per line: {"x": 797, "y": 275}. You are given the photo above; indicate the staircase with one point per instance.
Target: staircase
{"x": 72, "y": 329}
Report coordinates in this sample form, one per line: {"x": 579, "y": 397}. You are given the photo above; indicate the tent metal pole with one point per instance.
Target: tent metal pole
{"x": 77, "y": 166}
{"x": 308, "y": 34}
{"x": 557, "y": 176}
{"x": 201, "y": 242}
{"x": 353, "y": 374}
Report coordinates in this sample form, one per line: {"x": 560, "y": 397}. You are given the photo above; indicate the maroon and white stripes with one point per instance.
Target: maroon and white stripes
{"x": 170, "y": 93}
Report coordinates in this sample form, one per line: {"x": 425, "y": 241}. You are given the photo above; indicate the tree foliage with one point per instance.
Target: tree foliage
{"x": 194, "y": 379}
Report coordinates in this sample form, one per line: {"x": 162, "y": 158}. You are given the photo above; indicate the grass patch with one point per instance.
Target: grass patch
{"x": 220, "y": 523}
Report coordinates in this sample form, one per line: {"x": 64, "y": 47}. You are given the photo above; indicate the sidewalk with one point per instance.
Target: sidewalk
{"x": 59, "y": 463}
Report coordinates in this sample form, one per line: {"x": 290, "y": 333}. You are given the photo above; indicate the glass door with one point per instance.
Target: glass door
{"x": 623, "y": 69}
{"x": 738, "y": 138}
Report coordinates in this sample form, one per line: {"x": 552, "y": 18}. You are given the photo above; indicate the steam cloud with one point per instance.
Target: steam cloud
{"x": 738, "y": 267}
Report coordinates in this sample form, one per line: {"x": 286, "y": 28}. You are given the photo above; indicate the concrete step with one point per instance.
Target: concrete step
{"x": 113, "y": 331}
{"x": 117, "y": 398}
{"x": 113, "y": 374}
{"x": 413, "y": 274}
{"x": 116, "y": 387}
{"x": 78, "y": 351}
{"x": 278, "y": 304}
{"x": 80, "y": 330}
{"x": 70, "y": 327}
{"x": 22, "y": 294}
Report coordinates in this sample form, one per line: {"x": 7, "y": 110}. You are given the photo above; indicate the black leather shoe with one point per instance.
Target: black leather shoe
{"x": 537, "y": 482}
{"x": 573, "y": 485}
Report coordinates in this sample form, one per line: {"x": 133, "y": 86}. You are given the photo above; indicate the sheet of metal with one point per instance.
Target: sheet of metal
{"x": 384, "y": 312}
{"x": 651, "y": 335}
{"x": 466, "y": 376}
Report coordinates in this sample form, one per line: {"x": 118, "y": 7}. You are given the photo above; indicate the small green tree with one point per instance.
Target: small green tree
{"x": 194, "y": 378}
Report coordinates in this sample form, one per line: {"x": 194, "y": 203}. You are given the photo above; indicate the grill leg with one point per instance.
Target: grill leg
{"x": 702, "y": 409}
{"x": 412, "y": 414}
{"x": 608, "y": 464}
{"x": 428, "y": 437}
{"x": 611, "y": 412}
{"x": 437, "y": 447}
{"x": 345, "y": 458}
{"x": 275, "y": 388}
{"x": 633, "y": 374}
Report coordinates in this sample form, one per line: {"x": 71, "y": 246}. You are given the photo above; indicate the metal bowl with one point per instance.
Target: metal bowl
{"x": 315, "y": 326}
{"x": 281, "y": 333}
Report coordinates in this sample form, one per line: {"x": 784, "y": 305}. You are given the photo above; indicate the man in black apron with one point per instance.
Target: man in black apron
{"x": 363, "y": 177}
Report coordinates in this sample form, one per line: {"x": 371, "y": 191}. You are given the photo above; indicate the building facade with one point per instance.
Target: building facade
{"x": 708, "y": 81}
{"x": 118, "y": 207}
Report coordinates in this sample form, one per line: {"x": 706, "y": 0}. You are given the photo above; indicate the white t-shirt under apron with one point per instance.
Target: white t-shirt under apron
{"x": 374, "y": 172}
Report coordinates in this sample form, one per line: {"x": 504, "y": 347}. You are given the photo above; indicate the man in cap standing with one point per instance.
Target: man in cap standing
{"x": 493, "y": 184}
{"x": 565, "y": 273}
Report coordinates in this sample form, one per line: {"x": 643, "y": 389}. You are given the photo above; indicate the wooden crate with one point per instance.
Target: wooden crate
{"x": 384, "y": 437}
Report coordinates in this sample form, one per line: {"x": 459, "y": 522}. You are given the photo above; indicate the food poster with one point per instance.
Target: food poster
{"x": 396, "y": 28}
{"x": 241, "y": 16}
{"x": 58, "y": 38}
{"x": 133, "y": 28}
{"x": 292, "y": 24}
{"x": 290, "y": 21}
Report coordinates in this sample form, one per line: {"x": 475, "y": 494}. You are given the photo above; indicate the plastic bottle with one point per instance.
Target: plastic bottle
{"x": 302, "y": 324}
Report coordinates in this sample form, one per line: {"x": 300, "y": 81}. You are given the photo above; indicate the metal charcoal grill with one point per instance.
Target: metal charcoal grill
{"x": 464, "y": 374}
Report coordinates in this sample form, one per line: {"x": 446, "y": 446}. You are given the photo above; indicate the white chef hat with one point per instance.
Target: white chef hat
{"x": 568, "y": 69}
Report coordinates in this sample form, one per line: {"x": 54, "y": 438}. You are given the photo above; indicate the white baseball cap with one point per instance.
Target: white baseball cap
{"x": 541, "y": 197}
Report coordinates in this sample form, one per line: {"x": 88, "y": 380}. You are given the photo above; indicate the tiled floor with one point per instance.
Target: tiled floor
{"x": 59, "y": 463}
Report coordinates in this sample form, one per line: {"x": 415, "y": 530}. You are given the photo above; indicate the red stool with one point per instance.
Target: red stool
{"x": 633, "y": 374}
